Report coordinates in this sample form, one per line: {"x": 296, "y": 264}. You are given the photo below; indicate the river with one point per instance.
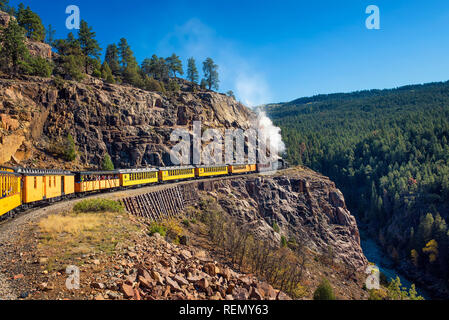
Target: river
{"x": 375, "y": 254}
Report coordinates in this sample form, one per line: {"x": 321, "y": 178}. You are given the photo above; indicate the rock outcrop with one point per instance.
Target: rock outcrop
{"x": 130, "y": 124}
{"x": 36, "y": 49}
{"x": 4, "y": 19}
{"x": 306, "y": 206}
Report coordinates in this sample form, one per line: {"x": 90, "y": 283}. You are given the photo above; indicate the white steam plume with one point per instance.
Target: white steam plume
{"x": 270, "y": 131}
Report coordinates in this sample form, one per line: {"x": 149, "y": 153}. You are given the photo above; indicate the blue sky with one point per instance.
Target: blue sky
{"x": 276, "y": 51}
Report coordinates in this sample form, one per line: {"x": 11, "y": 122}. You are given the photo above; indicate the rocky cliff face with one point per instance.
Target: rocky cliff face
{"x": 305, "y": 205}
{"x": 130, "y": 124}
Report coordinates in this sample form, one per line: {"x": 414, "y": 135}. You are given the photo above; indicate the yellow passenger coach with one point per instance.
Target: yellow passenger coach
{"x": 176, "y": 173}
{"x": 39, "y": 184}
{"x": 211, "y": 171}
{"x": 137, "y": 177}
{"x": 242, "y": 168}
{"x": 10, "y": 191}
{"x": 92, "y": 181}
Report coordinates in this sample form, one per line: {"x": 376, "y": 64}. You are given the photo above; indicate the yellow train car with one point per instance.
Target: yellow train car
{"x": 10, "y": 191}
{"x": 242, "y": 168}
{"x": 176, "y": 173}
{"x": 96, "y": 181}
{"x": 39, "y": 184}
{"x": 136, "y": 177}
{"x": 211, "y": 171}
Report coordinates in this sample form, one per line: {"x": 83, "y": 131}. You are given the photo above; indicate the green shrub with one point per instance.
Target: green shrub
{"x": 70, "y": 149}
{"x": 324, "y": 291}
{"x": 72, "y": 66}
{"x": 153, "y": 85}
{"x": 98, "y": 205}
{"x": 173, "y": 86}
{"x": 157, "y": 228}
{"x": 36, "y": 66}
{"x": 186, "y": 223}
{"x": 276, "y": 227}
{"x": 284, "y": 242}
{"x": 107, "y": 163}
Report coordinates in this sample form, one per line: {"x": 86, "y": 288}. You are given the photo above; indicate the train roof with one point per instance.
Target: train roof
{"x": 212, "y": 166}
{"x": 43, "y": 172}
{"x": 92, "y": 173}
{"x": 138, "y": 170}
{"x": 176, "y": 168}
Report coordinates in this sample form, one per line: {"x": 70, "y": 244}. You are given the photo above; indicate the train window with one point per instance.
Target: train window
{"x": 35, "y": 182}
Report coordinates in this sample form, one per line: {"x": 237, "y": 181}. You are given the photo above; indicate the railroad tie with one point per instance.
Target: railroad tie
{"x": 178, "y": 198}
{"x": 130, "y": 206}
{"x": 161, "y": 202}
{"x": 138, "y": 208}
{"x": 170, "y": 201}
{"x": 133, "y": 206}
{"x": 179, "y": 201}
{"x": 158, "y": 205}
{"x": 142, "y": 206}
{"x": 166, "y": 204}
{"x": 147, "y": 209}
{"x": 149, "y": 206}
{"x": 174, "y": 200}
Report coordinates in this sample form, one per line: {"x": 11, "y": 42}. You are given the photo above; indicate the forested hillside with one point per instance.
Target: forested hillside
{"x": 388, "y": 151}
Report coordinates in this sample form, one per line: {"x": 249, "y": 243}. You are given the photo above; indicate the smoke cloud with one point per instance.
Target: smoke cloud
{"x": 269, "y": 131}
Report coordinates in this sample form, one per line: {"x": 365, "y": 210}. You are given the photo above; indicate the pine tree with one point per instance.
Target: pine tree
{"x": 125, "y": 53}
{"x": 31, "y": 22}
{"x": 13, "y": 50}
{"x": 106, "y": 73}
{"x": 192, "y": 71}
{"x": 112, "y": 59}
{"x": 156, "y": 68}
{"x": 89, "y": 45}
{"x": 129, "y": 66}
{"x": 211, "y": 74}
{"x": 174, "y": 65}
{"x": 50, "y": 38}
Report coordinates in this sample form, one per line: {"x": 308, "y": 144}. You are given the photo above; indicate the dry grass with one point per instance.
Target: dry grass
{"x": 55, "y": 225}
{"x": 68, "y": 237}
